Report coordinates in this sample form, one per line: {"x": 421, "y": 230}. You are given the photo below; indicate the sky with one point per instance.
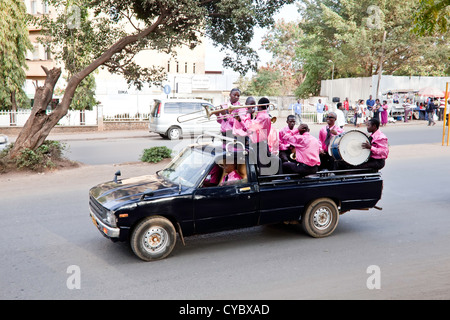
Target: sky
{"x": 214, "y": 57}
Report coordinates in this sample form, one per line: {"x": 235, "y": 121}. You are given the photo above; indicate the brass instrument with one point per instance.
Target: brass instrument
{"x": 292, "y": 155}
{"x": 217, "y": 110}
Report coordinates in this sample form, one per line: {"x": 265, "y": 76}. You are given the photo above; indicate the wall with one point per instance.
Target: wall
{"x": 361, "y": 88}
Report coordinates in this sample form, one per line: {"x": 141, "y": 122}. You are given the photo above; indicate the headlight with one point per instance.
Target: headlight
{"x": 111, "y": 219}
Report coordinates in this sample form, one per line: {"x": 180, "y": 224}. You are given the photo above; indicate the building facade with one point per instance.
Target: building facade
{"x": 186, "y": 75}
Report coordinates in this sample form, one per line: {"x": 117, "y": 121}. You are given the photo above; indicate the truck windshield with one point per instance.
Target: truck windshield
{"x": 188, "y": 167}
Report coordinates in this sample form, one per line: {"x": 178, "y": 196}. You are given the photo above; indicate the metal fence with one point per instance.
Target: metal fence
{"x": 126, "y": 117}
{"x": 72, "y": 118}
{"x": 89, "y": 117}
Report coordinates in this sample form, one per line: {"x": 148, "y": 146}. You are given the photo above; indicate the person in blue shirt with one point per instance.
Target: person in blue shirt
{"x": 297, "y": 109}
{"x": 320, "y": 108}
{"x": 369, "y": 104}
{"x": 430, "y": 112}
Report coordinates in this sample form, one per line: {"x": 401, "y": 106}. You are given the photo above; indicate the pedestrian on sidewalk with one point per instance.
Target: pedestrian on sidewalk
{"x": 430, "y": 112}
{"x": 297, "y": 110}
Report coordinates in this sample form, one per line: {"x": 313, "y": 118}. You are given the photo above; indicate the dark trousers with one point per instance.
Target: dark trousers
{"x": 372, "y": 163}
{"x": 285, "y": 156}
{"x": 327, "y": 162}
{"x": 300, "y": 168}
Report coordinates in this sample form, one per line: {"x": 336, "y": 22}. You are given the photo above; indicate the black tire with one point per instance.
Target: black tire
{"x": 320, "y": 218}
{"x": 174, "y": 133}
{"x": 153, "y": 238}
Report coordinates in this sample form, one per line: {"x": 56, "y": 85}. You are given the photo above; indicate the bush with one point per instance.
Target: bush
{"x": 156, "y": 154}
{"x": 43, "y": 157}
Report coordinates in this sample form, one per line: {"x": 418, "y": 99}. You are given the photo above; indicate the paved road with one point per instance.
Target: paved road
{"x": 123, "y": 146}
{"x": 46, "y": 231}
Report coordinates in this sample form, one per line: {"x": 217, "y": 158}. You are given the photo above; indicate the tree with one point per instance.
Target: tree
{"x": 14, "y": 44}
{"x": 432, "y": 16}
{"x": 267, "y": 82}
{"x": 349, "y": 36}
{"x": 110, "y": 33}
{"x": 281, "y": 41}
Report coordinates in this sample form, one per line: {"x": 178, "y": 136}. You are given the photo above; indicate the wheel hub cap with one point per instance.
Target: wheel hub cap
{"x": 155, "y": 239}
{"x": 322, "y": 218}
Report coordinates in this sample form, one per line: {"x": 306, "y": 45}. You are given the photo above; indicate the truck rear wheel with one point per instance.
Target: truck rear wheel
{"x": 153, "y": 238}
{"x": 320, "y": 218}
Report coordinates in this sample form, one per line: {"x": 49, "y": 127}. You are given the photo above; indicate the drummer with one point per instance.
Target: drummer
{"x": 379, "y": 147}
{"x": 325, "y": 135}
{"x": 307, "y": 148}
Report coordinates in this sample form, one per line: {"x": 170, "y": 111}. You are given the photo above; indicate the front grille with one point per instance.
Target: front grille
{"x": 97, "y": 208}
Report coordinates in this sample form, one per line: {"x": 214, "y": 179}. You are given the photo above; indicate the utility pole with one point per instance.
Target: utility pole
{"x": 380, "y": 63}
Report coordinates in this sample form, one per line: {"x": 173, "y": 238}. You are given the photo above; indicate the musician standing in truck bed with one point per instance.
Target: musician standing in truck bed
{"x": 325, "y": 135}
{"x": 225, "y": 118}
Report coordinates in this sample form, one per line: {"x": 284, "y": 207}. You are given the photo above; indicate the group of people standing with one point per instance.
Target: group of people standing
{"x": 371, "y": 109}
{"x": 250, "y": 125}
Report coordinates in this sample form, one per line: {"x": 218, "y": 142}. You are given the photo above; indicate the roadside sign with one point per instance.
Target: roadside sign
{"x": 167, "y": 89}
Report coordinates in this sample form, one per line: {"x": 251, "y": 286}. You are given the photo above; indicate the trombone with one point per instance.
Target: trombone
{"x": 219, "y": 110}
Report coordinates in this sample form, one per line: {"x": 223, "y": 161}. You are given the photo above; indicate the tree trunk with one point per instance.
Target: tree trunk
{"x": 39, "y": 124}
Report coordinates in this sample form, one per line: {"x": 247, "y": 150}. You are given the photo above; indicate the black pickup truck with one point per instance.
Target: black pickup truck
{"x": 149, "y": 211}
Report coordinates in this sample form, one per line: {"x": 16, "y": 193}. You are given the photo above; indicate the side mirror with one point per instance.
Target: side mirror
{"x": 117, "y": 174}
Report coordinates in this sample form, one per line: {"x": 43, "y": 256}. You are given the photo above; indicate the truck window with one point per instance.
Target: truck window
{"x": 188, "y": 168}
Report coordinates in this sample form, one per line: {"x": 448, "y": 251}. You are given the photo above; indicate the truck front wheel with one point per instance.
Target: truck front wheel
{"x": 153, "y": 238}
{"x": 320, "y": 218}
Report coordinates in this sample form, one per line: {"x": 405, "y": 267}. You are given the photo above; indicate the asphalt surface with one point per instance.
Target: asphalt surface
{"x": 47, "y": 233}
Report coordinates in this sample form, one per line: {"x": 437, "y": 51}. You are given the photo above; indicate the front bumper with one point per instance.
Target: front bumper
{"x": 107, "y": 231}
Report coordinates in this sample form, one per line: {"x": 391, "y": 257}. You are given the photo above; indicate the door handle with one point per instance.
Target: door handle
{"x": 244, "y": 189}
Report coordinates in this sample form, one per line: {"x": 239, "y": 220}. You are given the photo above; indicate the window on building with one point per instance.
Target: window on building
{"x": 185, "y": 67}
{"x": 44, "y": 7}
{"x": 168, "y": 66}
{"x": 193, "y": 68}
{"x": 48, "y": 54}
{"x": 33, "y": 7}
{"x": 178, "y": 70}
{"x": 36, "y": 52}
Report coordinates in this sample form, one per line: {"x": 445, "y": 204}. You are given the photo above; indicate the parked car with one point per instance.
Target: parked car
{"x": 148, "y": 211}
{"x": 4, "y": 142}
{"x": 165, "y": 114}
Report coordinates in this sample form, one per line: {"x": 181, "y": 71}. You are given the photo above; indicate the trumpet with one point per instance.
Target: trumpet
{"x": 216, "y": 111}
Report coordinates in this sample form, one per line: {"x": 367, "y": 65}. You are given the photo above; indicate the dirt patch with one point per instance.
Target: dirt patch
{"x": 9, "y": 168}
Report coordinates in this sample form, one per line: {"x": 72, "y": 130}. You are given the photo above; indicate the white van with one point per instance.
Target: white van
{"x": 164, "y": 118}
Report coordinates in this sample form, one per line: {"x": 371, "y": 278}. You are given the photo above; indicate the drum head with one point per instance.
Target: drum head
{"x": 350, "y": 147}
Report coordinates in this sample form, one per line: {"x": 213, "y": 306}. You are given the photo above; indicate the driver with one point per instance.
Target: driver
{"x": 231, "y": 173}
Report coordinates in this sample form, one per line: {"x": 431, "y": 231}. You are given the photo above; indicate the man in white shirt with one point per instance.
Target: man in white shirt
{"x": 340, "y": 121}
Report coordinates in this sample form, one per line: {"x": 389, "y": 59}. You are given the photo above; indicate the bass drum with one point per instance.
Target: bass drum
{"x": 347, "y": 147}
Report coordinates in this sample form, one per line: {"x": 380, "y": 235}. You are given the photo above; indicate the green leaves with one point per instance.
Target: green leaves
{"x": 350, "y": 34}
{"x": 156, "y": 154}
{"x": 14, "y": 44}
